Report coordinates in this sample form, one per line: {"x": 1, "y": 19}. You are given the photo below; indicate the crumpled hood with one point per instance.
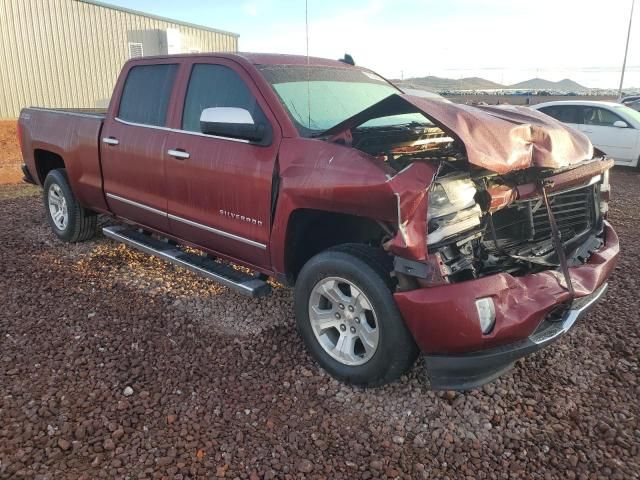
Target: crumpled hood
{"x": 498, "y": 138}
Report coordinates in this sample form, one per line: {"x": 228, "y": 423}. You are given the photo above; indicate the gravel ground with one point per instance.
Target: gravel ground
{"x": 116, "y": 365}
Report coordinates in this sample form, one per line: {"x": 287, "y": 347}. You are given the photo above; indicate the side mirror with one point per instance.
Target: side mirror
{"x": 231, "y": 122}
{"x": 620, "y": 124}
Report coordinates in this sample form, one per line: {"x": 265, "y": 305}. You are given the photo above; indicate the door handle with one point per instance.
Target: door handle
{"x": 110, "y": 141}
{"x": 178, "y": 153}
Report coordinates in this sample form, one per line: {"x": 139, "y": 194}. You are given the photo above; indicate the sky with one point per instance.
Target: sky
{"x": 506, "y": 41}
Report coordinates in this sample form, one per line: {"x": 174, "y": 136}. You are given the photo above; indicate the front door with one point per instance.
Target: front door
{"x": 219, "y": 188}
{"x": 133, "y": 146}
{"x": 618, "y": 143}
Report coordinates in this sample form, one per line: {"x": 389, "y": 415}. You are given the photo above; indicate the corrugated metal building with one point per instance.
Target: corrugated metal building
{"x": 68, "y": 53}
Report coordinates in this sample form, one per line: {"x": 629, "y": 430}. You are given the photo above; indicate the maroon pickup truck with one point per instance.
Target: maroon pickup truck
{"x": 475, "y": 235}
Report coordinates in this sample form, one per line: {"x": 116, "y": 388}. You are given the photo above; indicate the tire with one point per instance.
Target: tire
{"x": 69, "y": 220}
{"x": 344, "y": 347}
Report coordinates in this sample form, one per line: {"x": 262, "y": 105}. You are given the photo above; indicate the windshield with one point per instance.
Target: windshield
{"x": 318, "y": 98}
{"x": 630, "y": 112}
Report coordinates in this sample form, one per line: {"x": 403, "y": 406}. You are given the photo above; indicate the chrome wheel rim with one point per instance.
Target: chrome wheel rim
{"x": 58, "y": 207}
{"x": 343, "y": 321}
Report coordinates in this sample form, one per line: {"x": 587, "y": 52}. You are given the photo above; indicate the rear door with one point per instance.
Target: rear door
{"x": 133, "y": 145}
{"x": 618, "y": 143}
{"x": 569, "y": 114}
{"x": 220, "y": 189}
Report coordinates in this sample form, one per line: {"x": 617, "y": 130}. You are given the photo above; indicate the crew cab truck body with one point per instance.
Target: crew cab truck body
{"x": 474, "y": 235}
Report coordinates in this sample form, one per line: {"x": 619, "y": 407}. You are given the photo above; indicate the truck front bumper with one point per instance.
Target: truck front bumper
{"x": 467, "y": 371}
{"x": 444, "y": 320}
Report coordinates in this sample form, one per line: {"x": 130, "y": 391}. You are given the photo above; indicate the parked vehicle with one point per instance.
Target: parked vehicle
{"x": 629, "y": 99}
{"x": 614, "y": 129}
{"x": 475, "y": 235}
{"x": 635, "y": 105}
{"x": 416, "y": 92}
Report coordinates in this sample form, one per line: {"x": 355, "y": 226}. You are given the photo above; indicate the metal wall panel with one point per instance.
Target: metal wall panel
{"x": 68, "y": 53}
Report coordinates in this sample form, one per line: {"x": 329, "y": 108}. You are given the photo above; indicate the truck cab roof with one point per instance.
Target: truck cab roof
{"x": 256, "y": 59}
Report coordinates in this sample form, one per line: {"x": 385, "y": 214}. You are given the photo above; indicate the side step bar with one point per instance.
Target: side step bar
{"x": 241, "y": 282}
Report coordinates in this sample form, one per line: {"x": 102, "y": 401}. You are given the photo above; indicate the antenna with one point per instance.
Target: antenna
{"x": 306, "y": 25}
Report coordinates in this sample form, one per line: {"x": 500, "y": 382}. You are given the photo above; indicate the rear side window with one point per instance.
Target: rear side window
{"x": 564, "y": 113}
{"x": 146, "y": 94}
{"x": 216, "y": 86}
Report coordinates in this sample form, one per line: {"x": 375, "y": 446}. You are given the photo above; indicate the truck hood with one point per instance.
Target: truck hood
{"x": 498, "y": 138}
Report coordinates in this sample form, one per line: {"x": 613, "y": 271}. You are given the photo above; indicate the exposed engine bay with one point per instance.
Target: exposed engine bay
{"x": 517, "y": 238}
{"x": 480, "y": 222}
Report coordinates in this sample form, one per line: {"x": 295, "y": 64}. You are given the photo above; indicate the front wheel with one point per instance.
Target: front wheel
{"x": 348, "y": 318}
{"x": 69, "y": 220}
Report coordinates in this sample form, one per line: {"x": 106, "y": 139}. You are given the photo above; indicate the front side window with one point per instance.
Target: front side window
{"x": 600, "y": 116}
{"x": 318, "y": 98}
{"x": 146, "y": 94}
{"x": 216, "y": 86}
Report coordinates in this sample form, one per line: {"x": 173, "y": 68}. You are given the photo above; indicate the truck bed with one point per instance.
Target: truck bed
{"x": 51, "y": 136}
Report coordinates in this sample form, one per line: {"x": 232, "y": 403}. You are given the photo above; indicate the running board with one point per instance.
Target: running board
{"x": 241, "y": 282}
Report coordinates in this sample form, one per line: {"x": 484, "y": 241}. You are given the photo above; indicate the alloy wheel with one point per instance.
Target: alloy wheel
{"x": 58, "y": 207}
{"x": 343, "y": 321}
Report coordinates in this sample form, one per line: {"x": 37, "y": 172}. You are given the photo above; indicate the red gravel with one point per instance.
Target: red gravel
{"x": 221, "y": 386}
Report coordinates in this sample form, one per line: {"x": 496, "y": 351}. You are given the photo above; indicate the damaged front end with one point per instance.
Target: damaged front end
{"x": 480, "y": 223}
{"x": 504, "y": 189}
{"x": 502, "y": 241}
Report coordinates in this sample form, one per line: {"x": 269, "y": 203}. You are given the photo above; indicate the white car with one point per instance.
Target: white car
{"x": 612, "y": 127}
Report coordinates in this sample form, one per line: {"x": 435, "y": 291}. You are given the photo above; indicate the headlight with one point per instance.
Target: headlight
{"x": 452, "y": 208}
{"x": 450, "y": 195}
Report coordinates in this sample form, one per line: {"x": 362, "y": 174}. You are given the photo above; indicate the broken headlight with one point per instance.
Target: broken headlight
{"x": 452, "y": 208}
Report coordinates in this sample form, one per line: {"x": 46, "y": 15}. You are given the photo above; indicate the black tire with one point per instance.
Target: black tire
{"x": 81, "y": 223}
{"x": 368, "y": 269}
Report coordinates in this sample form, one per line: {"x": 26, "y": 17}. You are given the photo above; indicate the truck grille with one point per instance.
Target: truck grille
{"x": 528, "y": 221}
{"x": 573, "y": 212}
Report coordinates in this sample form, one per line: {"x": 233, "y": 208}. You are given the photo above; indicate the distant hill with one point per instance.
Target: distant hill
{"x": 566, "y": 85}
{"x": 438, "y": 84}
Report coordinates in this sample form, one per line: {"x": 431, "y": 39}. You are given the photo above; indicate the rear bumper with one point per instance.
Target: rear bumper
{"x": 444, "y": 321}
{"x": 467, "y": 371}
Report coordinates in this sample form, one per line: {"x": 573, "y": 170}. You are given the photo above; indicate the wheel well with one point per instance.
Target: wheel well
{"x": 45, "y": 162}
{"x": 309, "y": 232}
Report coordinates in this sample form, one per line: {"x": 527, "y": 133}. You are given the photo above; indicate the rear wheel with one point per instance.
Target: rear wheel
{"x": 348, "y": 318}
{"x": 69, "y": 220}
